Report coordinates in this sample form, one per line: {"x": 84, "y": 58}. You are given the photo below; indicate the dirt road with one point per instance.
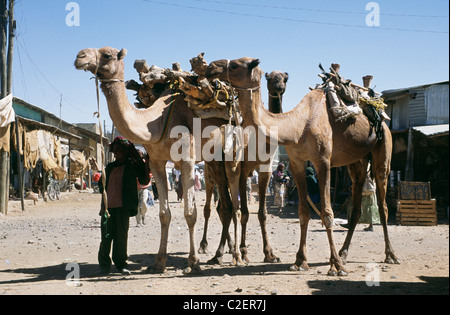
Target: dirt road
{"x": 49, "y": 242}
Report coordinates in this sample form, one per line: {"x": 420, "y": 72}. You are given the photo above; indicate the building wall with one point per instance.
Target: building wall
{"x": 400, "y": 116}
{"x": 417, "y": 108}
{"x": 26, "y": 112}
{"x": 437, "y": 103}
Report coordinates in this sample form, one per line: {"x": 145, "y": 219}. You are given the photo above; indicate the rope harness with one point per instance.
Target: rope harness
{"x": 97, "y": 79}
{"x": 279, "y": 96}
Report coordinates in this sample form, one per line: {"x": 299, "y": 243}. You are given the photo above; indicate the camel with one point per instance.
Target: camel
{"x": 310, "y": 132}
{"x": 151, "y": 127}
{"x": 276, "y": 85}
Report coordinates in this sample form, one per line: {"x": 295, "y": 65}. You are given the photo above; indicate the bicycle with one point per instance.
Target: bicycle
{"x": 55, "y": 187}
{"x": 54, "y": 190}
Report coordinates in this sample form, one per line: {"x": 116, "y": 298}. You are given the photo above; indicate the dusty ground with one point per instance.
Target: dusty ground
{"x": 40, "y": 247}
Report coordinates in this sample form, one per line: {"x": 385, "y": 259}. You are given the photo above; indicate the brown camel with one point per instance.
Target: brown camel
{"x": 276, "y": 85}
{"x": 152, "y": 128}
{"x": 309, "y": 132}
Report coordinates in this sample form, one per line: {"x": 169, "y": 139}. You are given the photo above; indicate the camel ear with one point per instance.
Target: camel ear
{"x": 286, "y": 77}
{"x": 267, "y": 76}
{"x": 122, "y": 54}
{"x": 254, "y": 64}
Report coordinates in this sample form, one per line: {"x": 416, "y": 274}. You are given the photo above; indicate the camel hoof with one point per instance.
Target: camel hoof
{"x": 303, "y": 267}
{"x": 332, "y": 273}
{"x": 155, "y": 269}
{"x": 215, "y": 261}
{"x": 392, "y": 260}
{"x": 238, "y": 263}
{"x": 192, "y": 271}
{"x": 272, "y": 259}
{"x": 203, "y": 250}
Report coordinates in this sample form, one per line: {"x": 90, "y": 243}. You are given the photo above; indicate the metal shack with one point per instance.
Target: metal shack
{"x": 420, "y": 129}
{"x": 43, "y": 144}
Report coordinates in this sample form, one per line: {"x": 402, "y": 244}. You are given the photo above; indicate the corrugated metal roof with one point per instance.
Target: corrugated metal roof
{"x": 433, "y": 130}
{"x": 399, "y": 92}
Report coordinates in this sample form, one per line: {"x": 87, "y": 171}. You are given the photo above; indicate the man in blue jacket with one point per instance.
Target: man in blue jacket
{"x": 122, "y": 197}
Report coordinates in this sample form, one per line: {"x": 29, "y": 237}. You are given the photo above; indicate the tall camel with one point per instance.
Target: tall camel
{"x": 310, "y": 132}
{"x": 152, "y": 128}
{"x": 276, "y": 84}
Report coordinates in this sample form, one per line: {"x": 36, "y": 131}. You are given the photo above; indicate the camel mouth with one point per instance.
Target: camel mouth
{"x": 212, "y": 72}
{"x": 83, "y": 66}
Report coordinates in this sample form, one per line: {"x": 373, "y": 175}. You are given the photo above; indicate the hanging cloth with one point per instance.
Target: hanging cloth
{"x": 7, "y": 114}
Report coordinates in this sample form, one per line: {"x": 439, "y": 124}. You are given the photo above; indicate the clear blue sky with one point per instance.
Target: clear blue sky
{"x": 409, "y": 47}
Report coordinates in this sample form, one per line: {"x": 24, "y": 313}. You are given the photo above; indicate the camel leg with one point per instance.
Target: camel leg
{"x": 357, "y": 173}
{"x": 244, "y": 216}
{"x": 224, "y": 208}
{"x": 263, "y": 182}
{"x": 190, "y": 214}
{"x": 159, "y": 173}
{"x": 391, "y": 258}
{"x": 203, "y": 249}
{"x": 233, "y": 175}
{"x": 298, "y": 172}
{"x": 323, "y": 172}
{"x": 381, "y": 167}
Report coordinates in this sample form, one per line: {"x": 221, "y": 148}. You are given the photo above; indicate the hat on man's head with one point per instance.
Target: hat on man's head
{"x": 122, "y": 142}
{"x": 141, "y": 150}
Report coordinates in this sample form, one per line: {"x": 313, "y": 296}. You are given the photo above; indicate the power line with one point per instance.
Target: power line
{"x": 35, "y": 68}
{"x": 292, "y": 19}
{"x": 316, "y": 10}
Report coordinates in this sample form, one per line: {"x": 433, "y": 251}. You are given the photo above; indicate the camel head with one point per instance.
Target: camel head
{"x": 242, "y": 73}
{"x": 106, "y": 62}
{"x": 276, "y": 82}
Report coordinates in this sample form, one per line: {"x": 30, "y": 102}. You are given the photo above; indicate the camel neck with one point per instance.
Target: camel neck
{"x": 254, "y": 113}
{"x": 275, "y": 103}
{"x": 139, "y": 126}
{"x": 289, "y": 126}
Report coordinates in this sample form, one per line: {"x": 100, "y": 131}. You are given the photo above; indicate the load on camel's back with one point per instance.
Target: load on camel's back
{"x": 347, "y": 99}
{"x": 206, "y": 98}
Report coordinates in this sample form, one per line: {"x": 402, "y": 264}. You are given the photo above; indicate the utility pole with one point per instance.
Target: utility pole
{"x": 60, "y": 111}
{"x": 11, "y": 29}
{"x": 6, "y": 19}
{"x": 3, "y": 38}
